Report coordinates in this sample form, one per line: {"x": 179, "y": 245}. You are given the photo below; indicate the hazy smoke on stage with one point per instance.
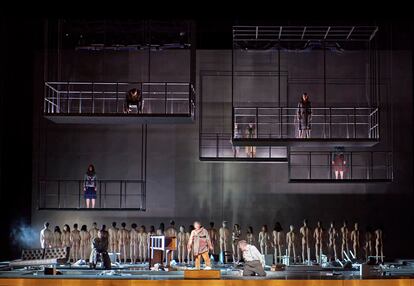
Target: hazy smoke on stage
{"x": 24, "y": 236}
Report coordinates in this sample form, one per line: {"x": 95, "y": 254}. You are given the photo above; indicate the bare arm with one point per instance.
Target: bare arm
{"x": 190, "y": 240}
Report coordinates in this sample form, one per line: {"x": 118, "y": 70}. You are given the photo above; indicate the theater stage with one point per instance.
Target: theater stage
{"x": 220, "y": 275}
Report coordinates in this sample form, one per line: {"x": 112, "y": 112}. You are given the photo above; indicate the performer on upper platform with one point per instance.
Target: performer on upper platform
{"x": 134, "y": 101}
{"x": 304, "y": 116}
{"x": 90, "y": 186}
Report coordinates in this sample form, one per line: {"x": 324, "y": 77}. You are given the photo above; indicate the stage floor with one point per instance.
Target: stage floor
{"x": 227, "y": 271}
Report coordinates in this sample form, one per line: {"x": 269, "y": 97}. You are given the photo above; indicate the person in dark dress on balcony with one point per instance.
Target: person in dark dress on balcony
{"x": 134, "y": 101}
{"x": 90, "y": 186}
{"x": 304, "y": 116}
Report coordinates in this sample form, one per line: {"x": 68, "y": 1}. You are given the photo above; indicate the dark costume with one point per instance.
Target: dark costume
{"x": 339, "y": 164}
{"x": 100, "y": 249}
{"x": 304, "y": 113}
{"x": 134, "y": 103}
{"x": 90, "y": 183}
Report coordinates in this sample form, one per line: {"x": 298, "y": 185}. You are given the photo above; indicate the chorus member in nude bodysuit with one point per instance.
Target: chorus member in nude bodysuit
{"x": 290, "y": 241}
{"x": 264, "y": 240}
{"x": 66, "y": 238}
{"x": 113, "y": 238}
{"x": 333, "y": 235}
{"x": 84, "y": 242}
{"x": 123, "y": 241}
{"x": 133, "y": 244}
{"x": 355, "y": 240}
{"x": 250, "y": 239}
{"x": 277, "y": 235}
{"x": 143, "y": 240}
{"x": 224, "y": 235}
{"x": 214, "y": 237}
{"x": 46, "y": 236}
{"x": 182, "y": 244}
{"x": 57, "y": 237}
{"x": 368, "y": 242}
{"x": 305, "y": 233}
{"x": 236, "y": 234}
{"x": 75, "y": 242}
{"x": 318, "y": 236}
{"x": 379, "y": 252}
{"x": 344, "y": 240}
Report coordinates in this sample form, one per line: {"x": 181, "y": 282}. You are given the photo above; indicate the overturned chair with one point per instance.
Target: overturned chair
{"x": 39, "y": 257}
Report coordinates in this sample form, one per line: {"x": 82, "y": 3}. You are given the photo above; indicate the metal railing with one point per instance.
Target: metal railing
{"x": 355, "y": 165}
{"x": 111, "y": 194}
{"x": 304, "y": 33}
{"x": 326, "y": 122}
{"x": 218, "y": 146}
{"x": 99, "y": 98}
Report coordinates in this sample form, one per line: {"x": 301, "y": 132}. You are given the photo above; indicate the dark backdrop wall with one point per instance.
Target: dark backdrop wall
{"x": 181, "y": 187}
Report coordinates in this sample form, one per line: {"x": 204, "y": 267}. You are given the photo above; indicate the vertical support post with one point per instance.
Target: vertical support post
{"x": 165, "y": 98}
{"x": 350, "y": 165}
{"x": 99, "y": 183}
{"x": 232, "y": 88}
{"x": 67, "y": 97}
{"x": 330, "y": 157}
{"x": 217, "y": 145}
{"x": 59, "y": 194}
{"x": 324, "y": 89}
{"x": 280, "y": 122}
{"x": 330, "y": 122}
{"x": 310, "y": 166}
{"x": 120, "y": 194}
{"x": 117, "y": 96}
{"x": 93, "y": 98}
{"x": 79, "y": 193}
{"x": 355, "y": 126}
{"x": 257, "y": 122}
{"x": 289, "y": 155}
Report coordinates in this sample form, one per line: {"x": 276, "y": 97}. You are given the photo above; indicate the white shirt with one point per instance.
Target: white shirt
{"x": 251, "y": 254}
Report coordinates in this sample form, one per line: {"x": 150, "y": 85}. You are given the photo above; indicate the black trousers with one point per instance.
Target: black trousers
{"x": 251, "y": 268}
{"x": 105, "y": 260}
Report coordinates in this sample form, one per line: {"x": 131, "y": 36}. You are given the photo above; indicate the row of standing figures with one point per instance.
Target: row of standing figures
{"x": 133, "y": 243}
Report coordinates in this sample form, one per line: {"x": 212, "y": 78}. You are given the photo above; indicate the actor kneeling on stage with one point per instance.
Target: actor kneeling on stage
{"x": 100, "y": 249}
{"x": 253, "y": 260}
{"x": 200, "y": 240}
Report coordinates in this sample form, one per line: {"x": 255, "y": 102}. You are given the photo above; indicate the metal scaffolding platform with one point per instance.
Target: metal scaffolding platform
{"x": 218, "y": 147}
{"x": 105, "y": 102}
{"x": 356, "y": 166}
{"x": 330, "y": 126}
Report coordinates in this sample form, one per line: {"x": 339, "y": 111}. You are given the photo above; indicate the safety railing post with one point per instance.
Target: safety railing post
{"x": 355, "y": 131}
{"x": 93, "y": 98}
{"x": 117, "y": 96}
{"x": 165, "y": 98}
{"x": 257, "y": 122}
{"x": 67, "y": 97}
{"x": 217, "y": 145}
{"x": 330, "y": 122}
{"x": 280, "y": 123}
{"x": 79, "y": 193}
{"x": 120, "y": 195}
{"x": 58, "y": 194}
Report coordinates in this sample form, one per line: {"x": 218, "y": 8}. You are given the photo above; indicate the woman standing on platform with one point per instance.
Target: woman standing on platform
{"x": 304, "y": 116}
{"x": 90, "y": 186}
{"x": 200, "y": 243}
{"x": 57, "y": 237}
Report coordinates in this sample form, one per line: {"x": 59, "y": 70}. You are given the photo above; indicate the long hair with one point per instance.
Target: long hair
{"x": 278, "y": 227}
{"x": 67, "y": 227}
{"x": 57, "y": 229}
{"x": 84, "y": 228}
{"x": 89, "y": 172}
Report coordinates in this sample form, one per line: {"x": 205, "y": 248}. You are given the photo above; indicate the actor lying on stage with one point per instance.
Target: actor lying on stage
{"x": 253, "y": 260}
{"x": 100, "y": 249}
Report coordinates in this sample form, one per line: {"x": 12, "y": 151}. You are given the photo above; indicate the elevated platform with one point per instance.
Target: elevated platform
{"x": 75, "y": 118}
{"x": 326, "y": 166}
{"x": 309, "y": 142}
{"x": 329, "y": 126}
{"x": 111, "y": 195}
{"x": 106, "y": 102}
{"x": 218, "y": 147}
